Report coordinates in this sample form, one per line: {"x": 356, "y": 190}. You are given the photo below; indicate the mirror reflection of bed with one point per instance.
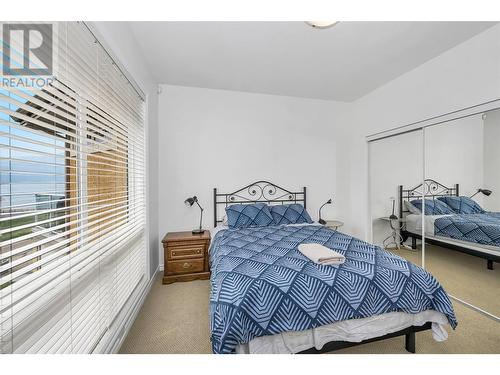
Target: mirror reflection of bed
{"x": 461, "y": 214}
{"x": 471, "y": 161}
{"x": 462, "y": 240}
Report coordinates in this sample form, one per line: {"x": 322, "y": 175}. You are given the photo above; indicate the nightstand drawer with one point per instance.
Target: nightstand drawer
{"x": 186, "y": 251}
{"x": 185, "y": 243}
{"x": 185, "y": 266}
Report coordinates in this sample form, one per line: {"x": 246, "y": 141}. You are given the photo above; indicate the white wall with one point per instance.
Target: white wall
{"x": 393, "y": 161}
{"x": 492, "y": 160}
{"x": 212, "y": 138}
{"x": 215, "y": 138}
{"x": 466, "y": 75}
{"x": 118, "y": 37}
{"x": 454, "y": 154}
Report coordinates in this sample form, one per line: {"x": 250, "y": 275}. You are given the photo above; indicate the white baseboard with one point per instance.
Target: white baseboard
{"x": 133, "y": 313}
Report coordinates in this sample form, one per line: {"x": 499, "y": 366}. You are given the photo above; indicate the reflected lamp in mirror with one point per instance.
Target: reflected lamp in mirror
{"x": 189, "y": 202}
{"x": 393, "y": 215}
{"x": 484, "y": 191}
{"x": 321, "y": 221}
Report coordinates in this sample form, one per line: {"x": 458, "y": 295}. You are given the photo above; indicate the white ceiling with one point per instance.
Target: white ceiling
{"x": 341, "y": 63}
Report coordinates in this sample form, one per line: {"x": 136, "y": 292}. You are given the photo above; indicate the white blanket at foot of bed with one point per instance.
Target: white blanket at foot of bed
{"x": 353, "y": 330}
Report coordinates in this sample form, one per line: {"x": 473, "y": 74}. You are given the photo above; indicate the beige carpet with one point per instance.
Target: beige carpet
{"x": 174, "y": 319}
{"x": 462, "y": 275}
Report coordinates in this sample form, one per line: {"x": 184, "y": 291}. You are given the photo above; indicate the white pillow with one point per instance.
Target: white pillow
{"x": 410, "y": 207}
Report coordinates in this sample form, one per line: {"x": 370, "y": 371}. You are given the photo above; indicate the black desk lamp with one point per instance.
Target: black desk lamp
{"x": 484, "y": 191}
{"x": 393, "y": 215}
{"x": 321, "y": 221}
{"x": 189, "y": 202}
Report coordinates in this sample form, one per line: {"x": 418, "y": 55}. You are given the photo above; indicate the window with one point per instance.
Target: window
{"x": 72, "y": 202}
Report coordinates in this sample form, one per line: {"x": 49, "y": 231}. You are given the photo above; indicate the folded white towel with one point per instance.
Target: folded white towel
{"x": 321, "y": 254}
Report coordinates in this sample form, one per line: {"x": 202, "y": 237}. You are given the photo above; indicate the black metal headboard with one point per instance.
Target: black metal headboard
{"x": 430, "y": 188}
{"x": 259, "y": 191}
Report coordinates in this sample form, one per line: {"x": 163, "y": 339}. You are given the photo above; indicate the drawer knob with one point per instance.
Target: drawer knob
{"x": 173, "y": 253}
{"x": 186, "y": 265}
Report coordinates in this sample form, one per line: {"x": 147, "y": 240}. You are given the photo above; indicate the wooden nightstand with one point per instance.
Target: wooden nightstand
{"x": 186, "y": 256}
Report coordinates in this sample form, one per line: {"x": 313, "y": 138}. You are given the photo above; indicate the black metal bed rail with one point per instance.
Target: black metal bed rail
{"x": 409, "y": 333}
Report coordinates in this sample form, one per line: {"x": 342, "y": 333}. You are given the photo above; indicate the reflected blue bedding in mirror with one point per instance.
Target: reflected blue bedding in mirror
{"x": 462, "y": 205}
{"x": 433, "y": 207}
{"x": 481, "y": 228}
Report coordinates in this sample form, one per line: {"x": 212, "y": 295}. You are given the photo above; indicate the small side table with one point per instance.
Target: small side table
{"x": 394, "y": 240}
{"x": 186, "y": 256}
{"x": 334, "y": 224}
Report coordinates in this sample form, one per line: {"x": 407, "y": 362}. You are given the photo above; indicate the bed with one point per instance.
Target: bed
{"x": 476, "y": 234}
{"x": 266, "y": 297}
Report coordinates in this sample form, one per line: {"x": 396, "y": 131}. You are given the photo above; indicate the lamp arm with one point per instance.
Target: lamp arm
{"x": 319, "y": 213}
{"x": 201, "y": 213}
{"x": 476, "y": 193}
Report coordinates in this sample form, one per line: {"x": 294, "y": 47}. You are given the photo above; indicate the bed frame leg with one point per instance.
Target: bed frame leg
{"x": 414, "y": 243}
{"x": 410, "y": 342}
{"x": 490, "y": 264}
{"x": 403, "y": 238}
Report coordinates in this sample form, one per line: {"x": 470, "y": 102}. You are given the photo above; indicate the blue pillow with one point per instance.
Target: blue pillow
{"x": 463, "y": 205}
{"x": 290, "y": 214}
{"x": 433, "y": 207}
{"x": 248, "y": 215}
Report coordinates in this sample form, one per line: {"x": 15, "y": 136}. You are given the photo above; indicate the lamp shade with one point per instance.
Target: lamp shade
{"x": 486, "y": 192}
{"x": 190, "y": 201}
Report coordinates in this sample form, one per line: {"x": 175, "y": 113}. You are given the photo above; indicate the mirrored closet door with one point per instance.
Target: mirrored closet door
{"x": 462, "y": 218}
{"x": 434, "y": 198}
{"x": 395, "y": 178}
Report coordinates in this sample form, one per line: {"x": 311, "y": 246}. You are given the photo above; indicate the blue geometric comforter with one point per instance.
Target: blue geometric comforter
{"x": 262, "y": 285}
{"x": 478, "y": 228}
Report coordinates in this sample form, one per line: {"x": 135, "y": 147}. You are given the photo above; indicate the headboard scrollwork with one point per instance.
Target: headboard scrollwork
{"x": 429, "y": 188}
{"x": 259, "y": 191}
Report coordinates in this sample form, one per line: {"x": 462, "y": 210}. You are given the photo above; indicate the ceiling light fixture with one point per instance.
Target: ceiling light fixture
{"x": 321, "y": 24}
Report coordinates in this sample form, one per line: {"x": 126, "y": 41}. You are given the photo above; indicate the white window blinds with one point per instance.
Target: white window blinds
{"x": 72, "y": 210}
